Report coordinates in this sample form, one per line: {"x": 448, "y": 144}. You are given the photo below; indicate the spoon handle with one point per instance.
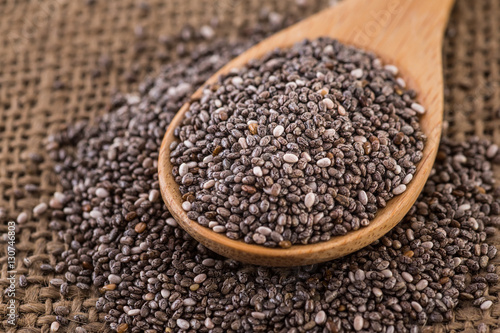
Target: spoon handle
{"x": 405, "y": 22}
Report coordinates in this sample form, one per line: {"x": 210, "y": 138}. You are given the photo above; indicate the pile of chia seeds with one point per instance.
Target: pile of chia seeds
{"x": 299, "y": 146}
{"x": 154, "y": 277}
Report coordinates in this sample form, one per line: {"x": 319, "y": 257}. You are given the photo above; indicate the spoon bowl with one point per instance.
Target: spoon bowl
{"x": 406, "y": 33}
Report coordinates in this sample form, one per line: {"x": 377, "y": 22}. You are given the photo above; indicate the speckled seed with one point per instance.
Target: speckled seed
{"x": 56, "y": 282}
{"x": 290, "y": 158}
{"x": 306, "y": 156}
{"x": 359, "y": 275}
{"x": 399, "y": 189}
{"x": 324, "y": 162}
{"x": 418, "y": 108}
{"x": 309, "y": 199}
{"x": 329, "y": 133}
{"x": 358, "y": 322}
{"x": 278, "y": 130}
{"x": 259, "y": 238}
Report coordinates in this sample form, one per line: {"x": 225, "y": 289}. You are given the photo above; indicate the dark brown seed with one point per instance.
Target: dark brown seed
{"x": 285, "y": 244}
{"x": 252, "y": 127}
{"x": 249, "y": 189}
{"x": 130, "y": 216}
{"x": 140, "y": 227}
{"x": 398, "y": 139}
{"x": 409, "y": 254}
{"x": 367, "y": 148}
{"x": 444, "y": 280}
{"x": 87, "y": 265}
{"x": 217, "y": 150}
{"x": 108, "y": 287}
{"x": 122, "y": 328}
{"x": 186, "y": 195}
{"x": 441, "y": 155}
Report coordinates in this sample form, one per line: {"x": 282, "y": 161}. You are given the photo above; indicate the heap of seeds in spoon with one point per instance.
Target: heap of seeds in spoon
{"x": 299, "y": 146}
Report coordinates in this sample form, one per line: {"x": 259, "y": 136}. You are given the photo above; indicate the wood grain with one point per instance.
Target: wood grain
{"x": 406, "y": 33}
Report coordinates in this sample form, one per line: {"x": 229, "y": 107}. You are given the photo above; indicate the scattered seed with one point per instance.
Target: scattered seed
{"x": 486, "y": 305}
{"x": 40, "y": 209}
{"x": 418, "y": 108}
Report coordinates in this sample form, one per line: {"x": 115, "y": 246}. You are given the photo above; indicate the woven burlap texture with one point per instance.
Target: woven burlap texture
{"x": 61, "y": 60}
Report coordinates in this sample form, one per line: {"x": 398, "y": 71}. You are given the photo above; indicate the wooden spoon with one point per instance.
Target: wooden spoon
{"x": 406, "y": 33}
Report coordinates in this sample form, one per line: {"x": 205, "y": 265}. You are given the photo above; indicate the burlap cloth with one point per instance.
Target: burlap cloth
{"x": 60, "y": 61}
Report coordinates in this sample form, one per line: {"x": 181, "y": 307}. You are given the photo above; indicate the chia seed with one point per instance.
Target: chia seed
{"x": 162, "y": 280}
